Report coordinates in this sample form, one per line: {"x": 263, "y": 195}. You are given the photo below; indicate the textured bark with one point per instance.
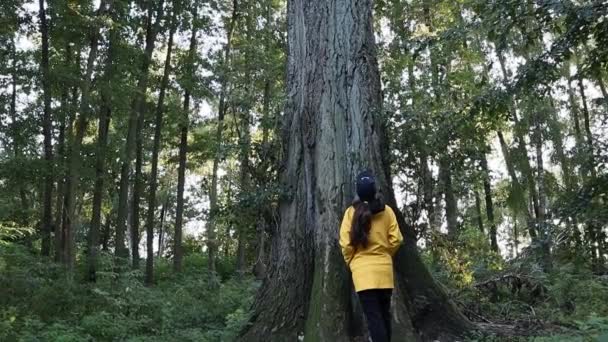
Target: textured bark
{"x": 183, "y": 150}
{"x": 158, "y": 125}
{"x": 213, "y": 207}
{"x": 333, "y": 128}
{"x": 74, "y": 158}
{"x": 47, "y": 131}
{"x": 137, "y": 108}
{"x": 105, "y": 113}
{"x": 487, "y": 189}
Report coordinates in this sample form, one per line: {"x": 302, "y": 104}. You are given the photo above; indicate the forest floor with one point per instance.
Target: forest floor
{"x": 38, "y": 302}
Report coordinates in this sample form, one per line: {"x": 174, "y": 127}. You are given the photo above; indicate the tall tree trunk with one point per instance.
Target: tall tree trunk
{"x": 183, "y": 149}
{"x": 15, "y": 131}
{"x": 526, "y": 168}
{"x": 155, "y": 152}
{"x": 487, "y": 189}
{"x": 213, "y": 207}
{"x": 62, "y": 183}
{"x": 333, "y": 129}
{"x": 74, "y": 159}
{"x": 47, "y": 131}
{"x": 137, "y": 108}
{"x": 105, "y": 114}
{"x": 542, "y": 197}
{"x": 138, "y": 188}
{"x": 479, "y": 217}
{"x": 587, "y": 122}
{"x": 65, "y": 122}
{"x": 451, "y": 204}
{"x": 161, "y": 230}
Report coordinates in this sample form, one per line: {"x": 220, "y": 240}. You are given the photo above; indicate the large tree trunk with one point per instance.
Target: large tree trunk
{"x": 487, "y": 189}
{"x": 137, "y": 108}
{"x": 47, "y": 131}
{"x": 334, "y": 128}
{"x": 155, "y": 152}
{"x": 478, "y": 216}
{"x": 72, "y": 179}
{"x": 105, "y": 113}
{"x": 178, "y": 253}
{"x": 213, "y": 207}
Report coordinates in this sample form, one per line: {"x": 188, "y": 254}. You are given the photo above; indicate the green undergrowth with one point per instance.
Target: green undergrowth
{"x": 569, "y": 302}
{"x": 38, "y": 302}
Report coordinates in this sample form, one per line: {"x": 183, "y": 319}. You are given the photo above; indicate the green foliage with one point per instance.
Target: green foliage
{"x": 40, "y": 303}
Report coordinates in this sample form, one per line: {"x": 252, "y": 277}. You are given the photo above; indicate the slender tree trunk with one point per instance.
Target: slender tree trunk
{"x": 542, "y": 198}
{"x": 65, "y": 120}
{"x": 588, "y": 134}
{"x": 138, "y": 188}
{"x": 161, "y": 231}
{"x": 15, "y": 130}
{"x": 105, "y": 114}
{"x": 479, "y": 217}
{"x": 61, "y": 213}
{"x": 47, "y": 131}
{"x": 526, "y": 168}
{"x": 213, "y": 207}
{"x": 155, "y": 152}
{"x": 487, "y": 188}
{"x": 137, "y": 108}
{"x": 72, "y": 178}
{"x": 333, "y": 129}
{"x": 451, "y": 204}
{"x": 183, "y": 151}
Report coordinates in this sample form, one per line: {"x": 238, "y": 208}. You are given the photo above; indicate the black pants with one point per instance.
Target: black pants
{"x": 377, "y": 308}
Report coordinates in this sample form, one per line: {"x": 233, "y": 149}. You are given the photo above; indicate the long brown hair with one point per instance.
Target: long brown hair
{"x": 362, "y": 223}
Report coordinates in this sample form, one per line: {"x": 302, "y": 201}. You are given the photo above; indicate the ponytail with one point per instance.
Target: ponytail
{"x": 362, "y": 223}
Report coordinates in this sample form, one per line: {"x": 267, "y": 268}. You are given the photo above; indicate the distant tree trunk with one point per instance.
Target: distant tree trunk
{"x": 479, "y": 217}
{"x": 62, "y": 183}
{"x": 137, "y": 108}
{"x": 105, "y": 113}
{"x": 526, "y": 168}
{"x": 65, "y": 120}
{"x": 587, "y": 121}
{"x": 47, "y": 131}
{"x": 245, "y": 143}
{"x": 451, "y": 204}
{"x": 574, "y": 112}
{"x": 213, "y": 207}
{"x": 72, "y": 179}
{"x": 542, "y": 197}
{"x": 333, "y": 129}
{"x": 15, "y": 129}
{"x": 138, "y": 188}
{"x": 161, "y": 231}
{"x": 487, "y": 188}
{"x": 183, "y": 150}
{"x": 155, "y": 152}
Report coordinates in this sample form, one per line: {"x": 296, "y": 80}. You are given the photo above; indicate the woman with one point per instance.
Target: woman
{"x": 369, "y": 237}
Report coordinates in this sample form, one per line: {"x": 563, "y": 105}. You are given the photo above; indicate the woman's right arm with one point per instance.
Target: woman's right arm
{"x": 347, "y": 248}
{"x": 394, "y": 234}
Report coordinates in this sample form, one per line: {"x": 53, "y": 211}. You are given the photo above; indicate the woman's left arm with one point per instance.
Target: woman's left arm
{"x": 394, "y": 234}
{"x": 347, "y": 248}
